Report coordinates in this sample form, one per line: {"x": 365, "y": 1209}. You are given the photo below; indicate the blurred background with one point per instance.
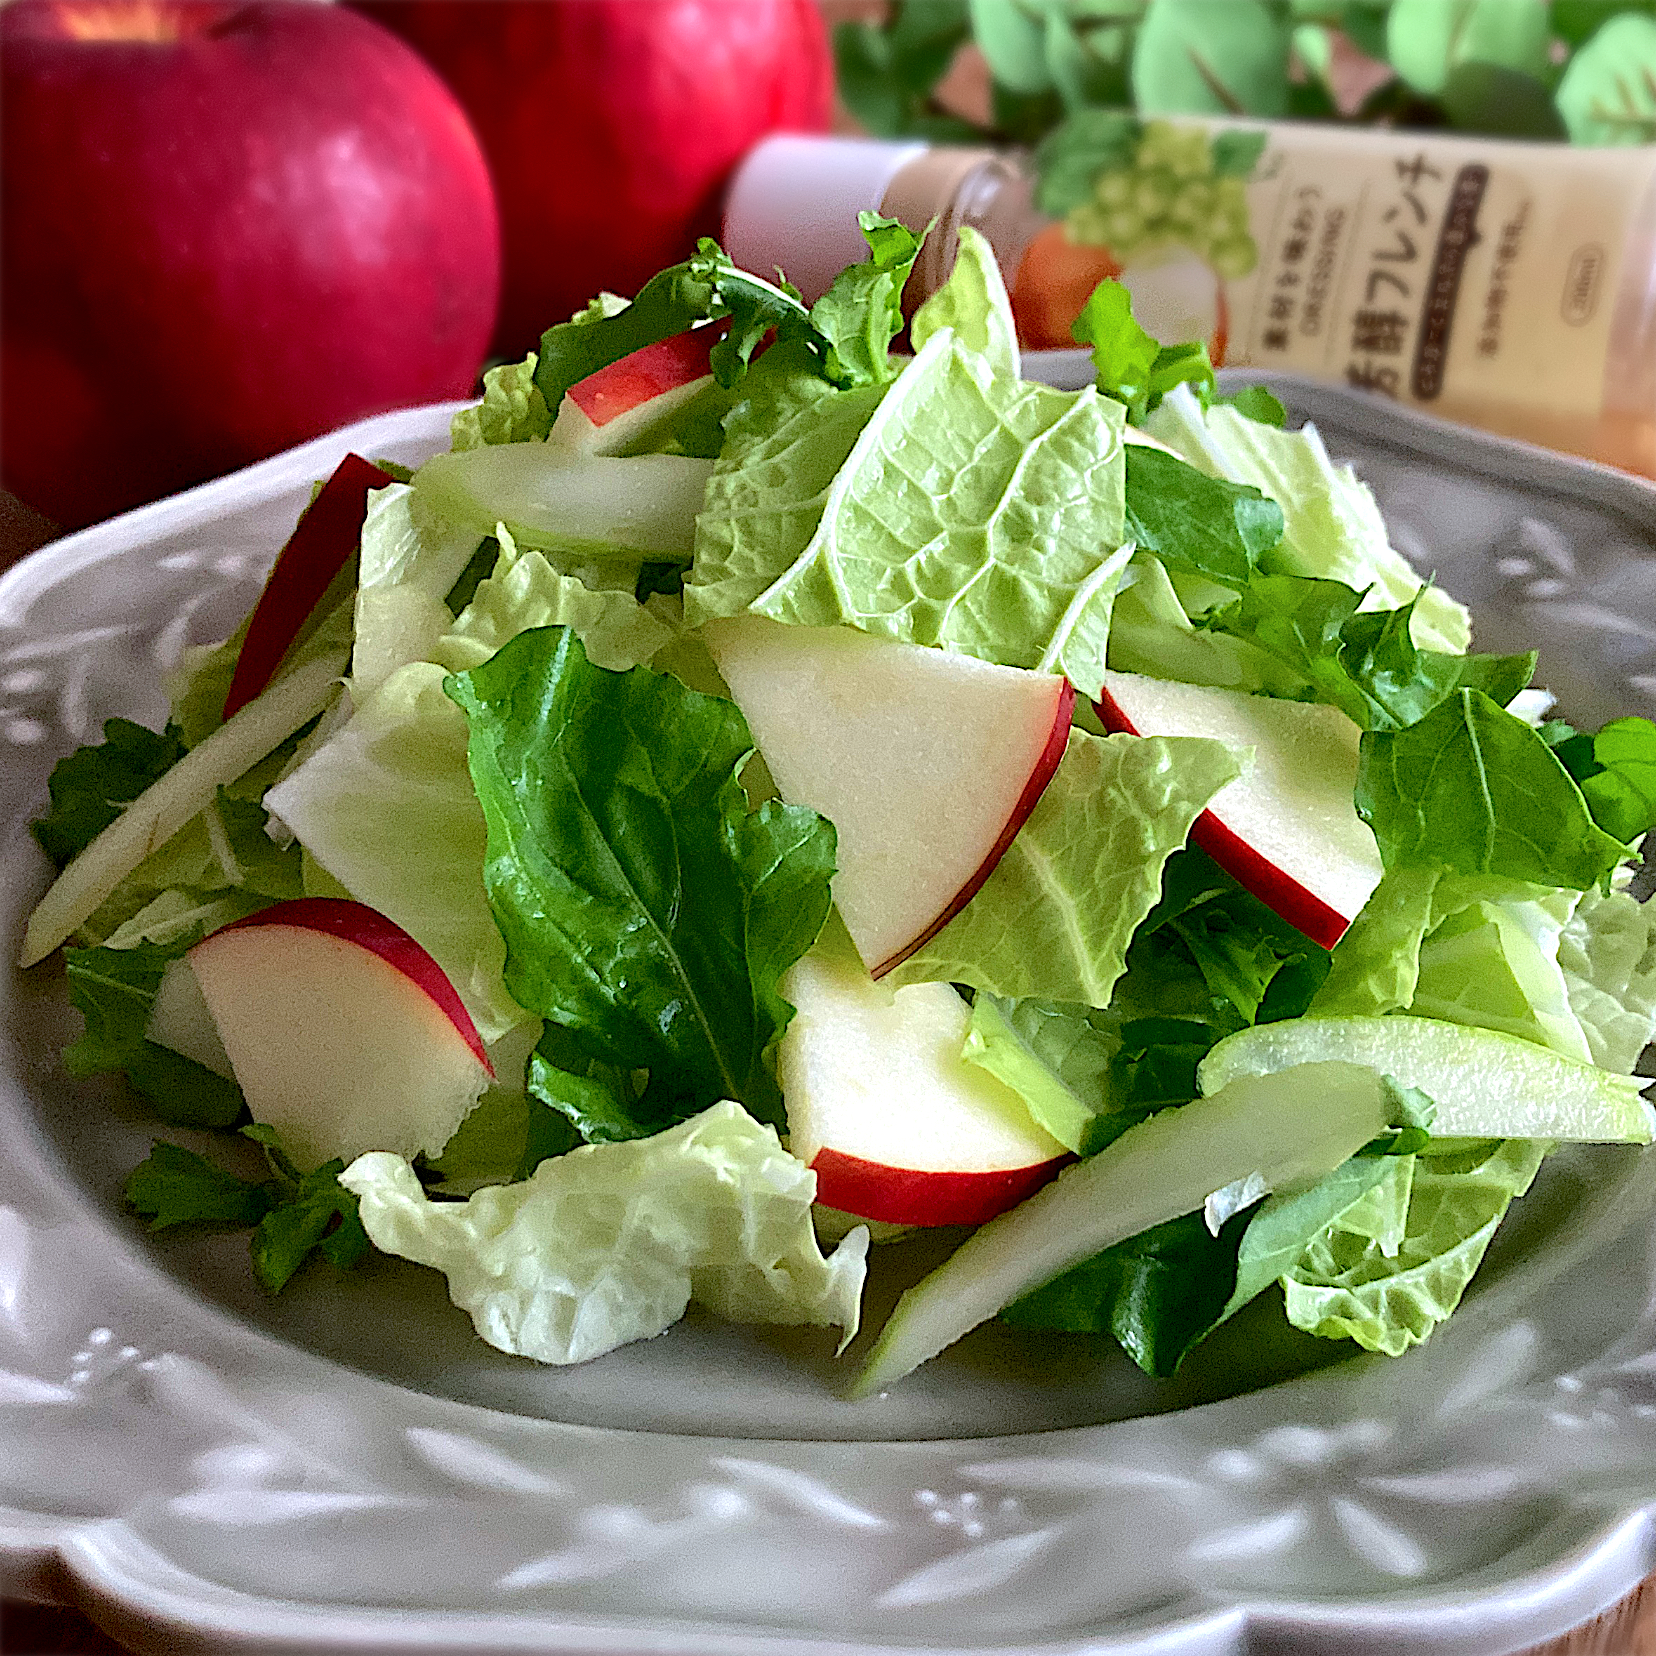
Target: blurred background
{"x": 228, "y": 227}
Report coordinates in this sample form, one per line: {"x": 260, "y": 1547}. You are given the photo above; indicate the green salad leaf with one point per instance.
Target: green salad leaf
{"x": 513, "y": 409}
{"x": 862, "y": 312}
{"x": 1332, "y": 527}
{"x": 611, "y": 1242}
{"x": 1620, "y": 785}
{"x": 975, "y": 512}
{"x": 974, "y": 304}
{"x": 1473, "y": 789}
{"x": 1196, "y": 523}
{"x": 1055, "y": 916}
{"x": 93, "y": 785}
{"x": 1132, "y": 366}
{"x": 1348, "y": 1284}
{"x": 114, "y": 991}
{"x": 645, "y": 910}
{"x": 1607, "y": 955}
{"x": 175, "y": 1186}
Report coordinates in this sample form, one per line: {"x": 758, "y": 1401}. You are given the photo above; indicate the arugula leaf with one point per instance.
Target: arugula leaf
{"x": 1160, "y": 1293}
{"x": 644, "y": 909}
{"x": 1476, "y": 790}
{"x": 291, "y": 1213}
{"x": 316, "y": 1212}
{"x": 704, "y": 288}
{"x": 114, "y": 990}
{"x": 93, "y": 785}
{"x": 1253, "y": 402}
{"x": 1365, "y": 662}
{"x": 1621, "y": 790}
{"x": 1194, "y": 522}
{"x": 862, "y": 312}
{"x": 1132, "y": 365}
{"x": 175, "y": 1186}
{"x": 599, "y": 1101}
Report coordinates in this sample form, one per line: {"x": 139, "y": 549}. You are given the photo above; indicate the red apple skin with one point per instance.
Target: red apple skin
{"x": 316, "y": 551}
{"x": 1050, "y": 756}
{"x": 925, "y": 1196}
{"x": 221, "y": 244}
{"x": 612, "y": 126}
{"x": 644, "y": 375}
{"x": 370, "y": 930}
{"x": 1276, "y": 890}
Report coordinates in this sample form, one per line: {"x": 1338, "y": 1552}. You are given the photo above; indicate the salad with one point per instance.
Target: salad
{"x": 760, "y": 793}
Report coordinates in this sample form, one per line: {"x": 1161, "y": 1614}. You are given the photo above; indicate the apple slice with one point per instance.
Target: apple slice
{"x": 926, "y": 763}
{"x": 343, "y": 1033}
{"x": 1287, "y": 830}
{"x": 883, "y": 1108}
{"x": 609, "y": 411}
{"x": 316, "y": 551}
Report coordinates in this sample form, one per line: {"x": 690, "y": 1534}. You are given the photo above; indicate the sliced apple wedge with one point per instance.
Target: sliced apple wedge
{"x": 926, "y": 763}
{"x": 883, "y": 1108}
{"x": 316, "y": 551}
{"x": 609, "y": 411}
{"x": 344, "y": 1034}
{"x": 1287, "y": 829}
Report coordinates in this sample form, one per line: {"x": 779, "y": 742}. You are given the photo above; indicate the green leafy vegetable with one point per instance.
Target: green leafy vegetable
{"x": 93, "y": 785}
{"x": 513, "y": 409}
{"x": 1132, "y": 366}
{"x": 1159, "y": 1293}
{"x": 1055, "y": 917}
{"x": 611, "y": 1242}
{"x": 114, "y": 990}
{"x": 175, "y": 1186}
{"x": 974, "y": 304}
{"x": 1332, "y": 527}
{"x": 1474, "y": 789}
{"x": 1607, "y": 954}
{"x": 292, "y": 1214}
{"x": 644, "y": 909}
{"x": 1363, "y": 661}
{"x": 1194, "y": 522}
{"x": 1620, "y": 786}
{"x": 1348, "y": 1285}
{"x": 974, "y": 512}
{"x": 862, "y": 312}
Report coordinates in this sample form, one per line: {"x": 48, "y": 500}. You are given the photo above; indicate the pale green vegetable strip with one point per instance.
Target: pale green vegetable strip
{"x": 611, "y": 1242}
{"x": 993, "y": 1044}
{"x": 1485, "y": 1084}
{"x": 1289, "y": 1128}
{"x": 169, "y": 802}
{"x": 404, "y": 573}
{"x": 585, "y": 506}
{"x": 1055, "y": 916}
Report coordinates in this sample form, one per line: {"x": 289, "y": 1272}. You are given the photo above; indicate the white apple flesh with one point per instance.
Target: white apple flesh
{"x": 926, "y": 763}
{"x": 1287, "y": 830}
{"x": 882, "y": 1107}
{"x": 609, "y": 411}
{"x": 344, "y": 1034}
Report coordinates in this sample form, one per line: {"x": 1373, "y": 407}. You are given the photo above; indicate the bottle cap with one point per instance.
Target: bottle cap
{"x": 794, "y": 202}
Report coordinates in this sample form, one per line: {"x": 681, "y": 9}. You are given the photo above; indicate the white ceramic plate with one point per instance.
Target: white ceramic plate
{"x": 347, "y": 1469}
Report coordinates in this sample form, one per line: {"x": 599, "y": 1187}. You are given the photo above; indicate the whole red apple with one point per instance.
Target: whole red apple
{"x": 227, "y": 228}
{"x": 611, "y": 126}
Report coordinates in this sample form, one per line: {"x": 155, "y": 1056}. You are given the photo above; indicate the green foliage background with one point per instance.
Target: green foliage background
{"x": 1582, "y": 70}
